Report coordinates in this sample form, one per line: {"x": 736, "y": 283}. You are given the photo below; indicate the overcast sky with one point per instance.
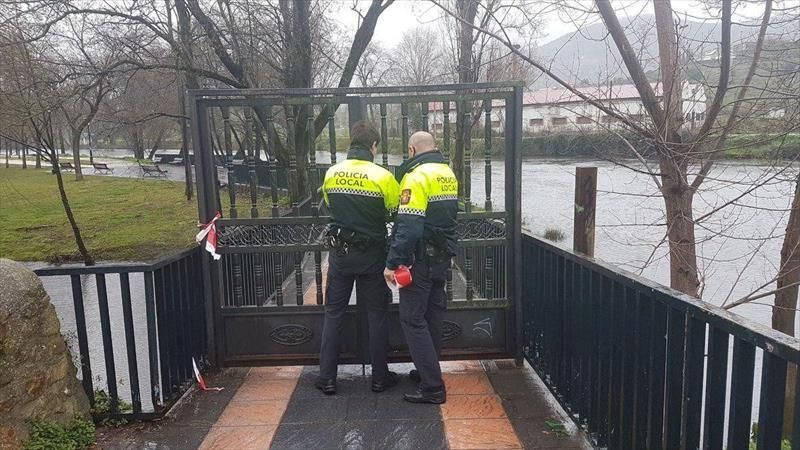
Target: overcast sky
{"x": 404, "y": 15}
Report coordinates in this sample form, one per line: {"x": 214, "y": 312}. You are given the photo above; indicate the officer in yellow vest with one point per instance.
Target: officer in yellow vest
{"x": 425, "y": 239}
{"x": 362, "y": 196}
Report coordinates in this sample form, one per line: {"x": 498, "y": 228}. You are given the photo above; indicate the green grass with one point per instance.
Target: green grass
{"x": 119, "y": 218}
{"x": 762, "y": 147}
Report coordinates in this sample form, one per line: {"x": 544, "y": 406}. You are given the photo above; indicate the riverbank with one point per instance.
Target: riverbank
{"x": 592, "y": 146}
{"x": 119, "y": 218}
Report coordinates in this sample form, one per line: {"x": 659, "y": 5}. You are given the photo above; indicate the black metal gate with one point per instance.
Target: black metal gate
{"x": 258, "y": 165}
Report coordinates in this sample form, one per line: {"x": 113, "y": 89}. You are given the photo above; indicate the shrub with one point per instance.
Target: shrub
{"x": 46, "y": 435}
{"x": 102, "y": 406}
{"x": 553, "y": 234}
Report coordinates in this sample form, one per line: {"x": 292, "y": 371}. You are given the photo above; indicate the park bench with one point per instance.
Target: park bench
{"x": 66, "y": 167}
{"x": 152, "y": 170}
{"x": 102, "y": 168}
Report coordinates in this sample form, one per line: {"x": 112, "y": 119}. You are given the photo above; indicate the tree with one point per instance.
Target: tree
{"x": 374, "y": 67}
{"x": 292, "y": 65}
{"x": 248, "y": 44}
{"x": 675, "y": 152}
{"x": 130, "y": 109}
{"x": 418, "y": 59}
{"x": 475, "y": 56}
{"x": 86, "y": 77}
{"x": 36, "y": 100}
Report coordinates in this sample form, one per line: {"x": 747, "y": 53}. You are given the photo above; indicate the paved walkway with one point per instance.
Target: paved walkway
{"x": 490, "y": 405}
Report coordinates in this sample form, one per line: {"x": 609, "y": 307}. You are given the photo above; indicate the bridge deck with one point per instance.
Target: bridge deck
{"x": 491, "y": 404}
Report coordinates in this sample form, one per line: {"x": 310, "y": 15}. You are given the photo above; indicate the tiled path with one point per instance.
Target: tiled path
{"x": 490, "y": 405}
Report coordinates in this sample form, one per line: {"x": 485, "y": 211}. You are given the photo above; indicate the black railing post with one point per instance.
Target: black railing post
{"x": 108, "y": 345}
{"x": 656, "y": 377}
{"x": 770, "y": 408}
{"x": 130, "y": 342}
{"x": 618, "y": 330}
{"x": 631, "y": 332}
{"x": 741, "y": 403}
{"x": 83, "y": 339}
{"x": 716, "y": 387}
{"x": 676, "y": 332}
{"x": 641, "y": 386}
{"x": 513, "y": 200}
{"x": 693, "y": 382}
{"x": 152, "y": 340}
{"x": 206, "y": 202}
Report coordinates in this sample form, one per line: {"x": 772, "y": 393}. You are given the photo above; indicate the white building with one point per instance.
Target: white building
{"x": 557, "y": 109}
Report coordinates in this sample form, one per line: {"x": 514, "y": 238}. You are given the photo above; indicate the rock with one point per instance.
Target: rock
{"x": 37, "y": 377}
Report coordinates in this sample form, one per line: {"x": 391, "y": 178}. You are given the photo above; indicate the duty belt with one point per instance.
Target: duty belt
{"x": 342, "y": 240}
{"x": 430, "y": 250}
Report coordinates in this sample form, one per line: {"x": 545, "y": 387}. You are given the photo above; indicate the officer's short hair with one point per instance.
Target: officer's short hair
{"x": 362, "y": 134}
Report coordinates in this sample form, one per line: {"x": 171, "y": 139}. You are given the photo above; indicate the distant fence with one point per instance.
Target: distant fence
{"x": 642, "y": 366}
{"x": 169, "y": 294}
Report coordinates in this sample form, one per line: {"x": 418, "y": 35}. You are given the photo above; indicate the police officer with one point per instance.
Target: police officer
{"x": 362, "y": 196}
{"x": 424, "y": 239}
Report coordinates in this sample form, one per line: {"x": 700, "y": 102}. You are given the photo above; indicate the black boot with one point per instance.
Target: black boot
{"x": 414, "y": 375}
{"x": 381, "y": 385}
{"x": 437, "y": 397}
{"x": 328, "y": 387}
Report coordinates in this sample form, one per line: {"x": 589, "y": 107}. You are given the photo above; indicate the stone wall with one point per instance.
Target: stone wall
{"x": 37, "y": 376}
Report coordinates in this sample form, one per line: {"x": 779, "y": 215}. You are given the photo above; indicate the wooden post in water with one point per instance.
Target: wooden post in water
{"x": 585, "y": 202}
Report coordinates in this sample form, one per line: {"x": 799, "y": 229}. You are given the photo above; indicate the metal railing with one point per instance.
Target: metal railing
{"x": 161, "y": 306}
{"x": 639, "y": 365}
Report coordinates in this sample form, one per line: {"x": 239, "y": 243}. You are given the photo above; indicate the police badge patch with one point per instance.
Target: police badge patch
{"x": 405, "y": 196}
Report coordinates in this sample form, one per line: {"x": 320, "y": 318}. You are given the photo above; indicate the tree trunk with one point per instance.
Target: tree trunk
{"x": 678, "y": 201}
{"x": 189, "y": 82}
{"x": 157, "y": 142}
{"x": 670, "y": 69}
{"x": 783, "y": 314}
{"x": 138, "y": 143}
{"x": 298, "y": 75}
{"x": 466, "y": 10}
{"x": 76, "y": 155}
{"x": 61, "y": 140}
{"x": 76, "y": 232}
{"x": 187, "y": 162}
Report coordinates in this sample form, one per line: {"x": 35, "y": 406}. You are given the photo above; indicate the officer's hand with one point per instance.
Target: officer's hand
{"x": 388, "y": 274}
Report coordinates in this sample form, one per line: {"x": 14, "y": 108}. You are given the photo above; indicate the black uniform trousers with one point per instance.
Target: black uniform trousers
{"x": 422, "y": 306}
{"x": 364, "y": 267}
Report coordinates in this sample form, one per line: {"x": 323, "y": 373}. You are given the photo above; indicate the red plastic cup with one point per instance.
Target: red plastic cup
{"x": 403, "y": 276}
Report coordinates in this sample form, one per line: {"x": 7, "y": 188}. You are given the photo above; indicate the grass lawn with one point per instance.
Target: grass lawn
{"x": 119, "y": 218}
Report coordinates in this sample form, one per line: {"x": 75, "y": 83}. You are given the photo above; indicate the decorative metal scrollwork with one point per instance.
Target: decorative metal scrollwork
{"x": 291, "y": 334}
{"x": 304, "y": 234}
{"x": 269, "y": 235}
{"x": 450, "y": 330}
{"x": 480, "y": 228}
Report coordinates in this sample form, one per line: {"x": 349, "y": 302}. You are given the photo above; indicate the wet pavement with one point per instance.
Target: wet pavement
{"x": 490, "y": 404}
{"x": 123, "y": 168}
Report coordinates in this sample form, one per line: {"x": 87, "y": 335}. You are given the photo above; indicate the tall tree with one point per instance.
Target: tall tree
{"x": 676, "y": 152}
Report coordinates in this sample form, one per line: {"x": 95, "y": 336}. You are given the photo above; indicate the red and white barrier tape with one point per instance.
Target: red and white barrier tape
{"x": 209, "y": 233}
